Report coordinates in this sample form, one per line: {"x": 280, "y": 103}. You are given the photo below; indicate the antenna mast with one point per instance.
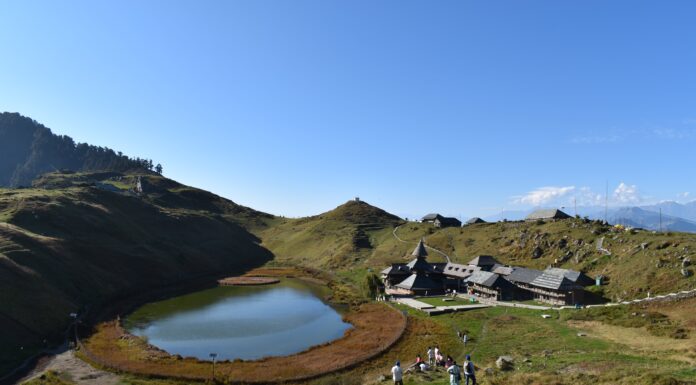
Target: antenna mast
{"x": 575, "y": 203}
{"x": 660, "y": 219}
{"x": 606, "y": 202}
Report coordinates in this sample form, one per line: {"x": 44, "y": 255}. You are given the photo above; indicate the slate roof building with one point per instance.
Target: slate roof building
{"x": 503, "y": 270}
{"x": 443, "y": 222}
{"x": 456, "y": 275}
{"x": 575, "y": 276}
{"x": 485, "y": 277}
{"x": 394, "y": 274}
{"x": 475, "y": 220}
{"x": 430, "y": 218}
{"x": 485, "y": 262}
{"x": 490, "y": 285}
{"x": 547, "y": 214}
{"x": 555, "y": 288}
{"x": 421, "y": 284}
{"x": 417, "y": 277}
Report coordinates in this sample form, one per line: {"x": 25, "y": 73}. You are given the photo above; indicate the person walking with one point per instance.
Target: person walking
{"x": 455, "y": 374}
{"x": 465, "y": 339}
{"x": 469, "y": 370}
{"x": 431, "y": 356}
{"x": 397, "y": 374}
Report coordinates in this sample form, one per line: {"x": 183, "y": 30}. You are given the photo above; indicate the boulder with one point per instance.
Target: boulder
{"x": 537, "y": 252}
{"x": 504, "y": 363}
{"x": 489, "y": 371}
{"x": 562, "y": 243}
{"x": 381, "y": 378}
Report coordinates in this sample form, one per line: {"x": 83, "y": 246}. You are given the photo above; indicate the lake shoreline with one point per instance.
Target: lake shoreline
{"x": 376, "y": 327}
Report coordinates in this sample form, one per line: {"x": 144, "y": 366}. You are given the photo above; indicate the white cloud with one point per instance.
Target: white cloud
{"x": 683, "y": 195}
{"x": 597, "y": 139}
{"x": 544, "y": 195}
{"x": 587, "y": 197}
{"x": 671, "y": 133}
{"x": 627, "y": 194}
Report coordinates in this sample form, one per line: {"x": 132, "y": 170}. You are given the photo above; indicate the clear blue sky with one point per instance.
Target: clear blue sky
{"x": 293, "y": 107}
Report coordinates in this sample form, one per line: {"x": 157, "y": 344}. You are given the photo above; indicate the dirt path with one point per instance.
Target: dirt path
{"x": 80, "y": 372}
{"x": 426, "y": 246}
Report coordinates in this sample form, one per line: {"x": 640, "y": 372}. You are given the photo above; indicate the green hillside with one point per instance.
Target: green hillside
{"x": 640, "y": 261}
{"x": 78, "y": 241}
{"x": 340, "y": 238}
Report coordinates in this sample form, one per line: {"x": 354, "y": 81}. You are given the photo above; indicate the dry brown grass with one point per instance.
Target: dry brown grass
{"x": 376, "y": 327}
{"x": 638, "y": 339}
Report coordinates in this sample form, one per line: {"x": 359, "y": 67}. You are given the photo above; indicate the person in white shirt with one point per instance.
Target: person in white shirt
{"x": 431, "y": 356}
{"x": 397, "y": 374}
{"x": 455, "y": 374}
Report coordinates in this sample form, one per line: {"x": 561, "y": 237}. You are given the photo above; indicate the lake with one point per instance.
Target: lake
{"x": 246, "y": 322}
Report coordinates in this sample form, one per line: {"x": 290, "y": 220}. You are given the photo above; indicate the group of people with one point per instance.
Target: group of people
{"x": 435, "y": 358}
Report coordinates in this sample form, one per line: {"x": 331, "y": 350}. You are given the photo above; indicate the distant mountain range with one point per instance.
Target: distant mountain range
{"x": 29, "y": 149}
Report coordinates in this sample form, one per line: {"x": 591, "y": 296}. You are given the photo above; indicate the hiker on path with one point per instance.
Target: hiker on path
{"x": 397, "y": 374}
{"x": 469, "y": 370}
{"x": 431, "y": 356}
{"x": 455, "y": 374}
{"x": 465, "y": 339}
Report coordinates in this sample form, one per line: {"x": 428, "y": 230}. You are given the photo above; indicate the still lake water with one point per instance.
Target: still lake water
{"x": 240, "y": 322}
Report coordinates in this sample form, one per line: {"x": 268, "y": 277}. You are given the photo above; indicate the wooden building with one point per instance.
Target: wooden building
{"x": 546, "y": 214}
{"x": 417, "y": 277}
{"x": 485, "y": 284}
{"x": 447, "y": 222}
{"x": 474, "y": 221}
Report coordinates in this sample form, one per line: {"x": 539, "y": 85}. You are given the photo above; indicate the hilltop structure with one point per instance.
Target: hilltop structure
{"x": 546, "y": 214}
{"x": 440, "y": 221}
{"x": 474, "y": 221}
{"x": 484, "y": 277}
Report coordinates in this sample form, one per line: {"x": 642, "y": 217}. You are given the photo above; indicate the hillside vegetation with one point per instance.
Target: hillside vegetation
{"x": 640, "y": 261}
{"x": 70, "y": 244}
{"x": 29, "y": 149}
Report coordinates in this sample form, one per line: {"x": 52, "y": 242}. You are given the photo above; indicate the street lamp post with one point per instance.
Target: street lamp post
{"x": 213, "y": 356}
{"x": 74, "y": 326}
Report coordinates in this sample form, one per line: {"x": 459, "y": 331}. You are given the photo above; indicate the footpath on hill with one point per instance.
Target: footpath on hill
{"x": 428, "y": 247}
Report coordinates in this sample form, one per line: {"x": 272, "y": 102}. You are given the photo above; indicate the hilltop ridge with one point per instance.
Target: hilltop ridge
{"x": 361, "y": 212}
{"x": 30, "y": 149}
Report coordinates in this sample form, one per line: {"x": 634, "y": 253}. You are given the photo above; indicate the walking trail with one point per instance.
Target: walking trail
{"x": 426, "y": 246}
{"x": 80, "y": 372}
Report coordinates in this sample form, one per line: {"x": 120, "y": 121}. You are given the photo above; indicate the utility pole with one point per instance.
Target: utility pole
{"x": 660, "y": 219}
{"x": 606, "y": 202}
{"x": 213, "y": 356}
